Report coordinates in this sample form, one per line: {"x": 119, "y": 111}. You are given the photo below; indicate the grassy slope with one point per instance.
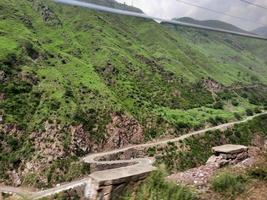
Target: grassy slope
{"x": 100, "y": 63}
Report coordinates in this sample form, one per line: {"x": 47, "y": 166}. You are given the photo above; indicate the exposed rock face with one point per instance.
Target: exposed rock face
{"x": 80, "y": 142}
{"x": 2, "y": 76}
{"x": 48, "y": 143}
{"x": 48, "y": 15}
{"x": 55, "y": 142}
{"x": 123, "y": 131}
{"x": 2, "y": 96}
{"x": 29, "y": 78}
{"x": 10, "y": 130}
{"x": 259, "y": 141}
{"x": 15, "y": 178}
{"x": 212, "y": 85}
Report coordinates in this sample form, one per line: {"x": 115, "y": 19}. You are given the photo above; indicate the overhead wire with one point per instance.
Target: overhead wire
{"x": 220, "y": 13}
{"x": 254, "y": 4}
{"x": 142, "y": 15}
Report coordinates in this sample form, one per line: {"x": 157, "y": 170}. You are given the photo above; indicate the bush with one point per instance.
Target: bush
{"x": 217, "y": 120}
{"x": 249, "y": 112}
{"x": 235, "y": 102}
{"x": 257, "y": 110}
{"x": 218, "y": 105}
{"x": 259, "y": 172}
{"x": 229, "y": 184}
{"x": 237, "y": 116}
{"x": 155, "y": 187}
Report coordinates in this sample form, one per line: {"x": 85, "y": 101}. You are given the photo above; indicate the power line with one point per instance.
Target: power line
{"x": 254, "y": 4}
{"x": 142, "y": 15}
{"x": 219, "y": 12}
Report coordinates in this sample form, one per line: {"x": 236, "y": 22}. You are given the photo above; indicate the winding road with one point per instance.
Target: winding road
{"x": 135, "y": 167}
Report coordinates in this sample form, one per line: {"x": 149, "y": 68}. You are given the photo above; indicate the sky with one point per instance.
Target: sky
{"x": 168, "y": 9}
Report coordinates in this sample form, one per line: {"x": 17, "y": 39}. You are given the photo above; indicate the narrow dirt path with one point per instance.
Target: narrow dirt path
{"x": 92, "y": 158}
{"x": 137, "y": 167}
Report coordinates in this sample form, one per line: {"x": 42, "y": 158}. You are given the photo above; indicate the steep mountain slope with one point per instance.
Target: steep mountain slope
{"x": 261, "y": 31}
{"x": 75, "y": 81}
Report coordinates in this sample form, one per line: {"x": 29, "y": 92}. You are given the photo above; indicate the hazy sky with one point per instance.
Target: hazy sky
{"x": 168, "y": 9}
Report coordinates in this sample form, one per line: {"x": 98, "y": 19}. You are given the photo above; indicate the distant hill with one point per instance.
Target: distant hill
{"x": 211, "y": 23}
{"x": 114, "y": 4}
{"x": 261, "y": 31}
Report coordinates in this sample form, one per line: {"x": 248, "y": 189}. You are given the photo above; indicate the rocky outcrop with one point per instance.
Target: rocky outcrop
{"x": 15, "y": 178}
{"x": 2, "y": 96}
{"x": 2, "y": 76}
{"x": 123, "y": 131}
{"x": 200, "y": 176}
{"x": 47, "y": 13}
{"x": 29, "y": 78}
{"x": 212, "y": 85}
{"x": 48, "y": 143}
{"x": 10, "y": 130}
{"x": 80, "y": 142}
{"x": 55, "y": 142}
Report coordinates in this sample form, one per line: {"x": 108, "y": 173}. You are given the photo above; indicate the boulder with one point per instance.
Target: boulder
{"x": 229, "y": 149}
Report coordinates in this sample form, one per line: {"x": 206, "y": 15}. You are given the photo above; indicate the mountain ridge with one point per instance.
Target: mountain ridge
{"x": 212, "y": 23}
{"x": 261, "y": 31}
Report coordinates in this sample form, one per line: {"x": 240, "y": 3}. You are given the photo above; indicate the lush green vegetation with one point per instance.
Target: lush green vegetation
{"x": 229, "y": 184}
{"x": 259, "y": 169}
{"x": 196, "y": 117}
{"x": 195, "y": 151}
{"x": 79, "y": 69}
{"x": 156, "y": 187}
{"x": 91, "y": 68}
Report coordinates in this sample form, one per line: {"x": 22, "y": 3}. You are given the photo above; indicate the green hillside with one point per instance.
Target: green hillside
{"x": 211, "y": 23}
{"x": 113, "y": 4}
{"x": 261, "y": 31}
{"x": 75, "y": 81}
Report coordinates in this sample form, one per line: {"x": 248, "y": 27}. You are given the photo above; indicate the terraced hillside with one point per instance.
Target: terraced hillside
{"x": 74, "y": 81}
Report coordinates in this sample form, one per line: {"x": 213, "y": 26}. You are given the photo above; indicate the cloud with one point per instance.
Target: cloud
{"x": 169, "y": 9}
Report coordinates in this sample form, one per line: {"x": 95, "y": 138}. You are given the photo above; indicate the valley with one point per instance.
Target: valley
{"x": 76, "y": 82}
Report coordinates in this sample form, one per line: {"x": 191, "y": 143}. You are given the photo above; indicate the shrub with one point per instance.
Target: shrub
{"x": 151, "y": 151}
{"x": 253, "y": 101}
{"x": 155, "y": 187}
{"x": 257, "y": 110}
{"x": 259, "y": 172}
{"x": 217, "y": 120}
{"x": 31, "y": 179}
{"x": 235, "y": 102}
{"x": 237, "y": 116}
{"x": 229, "y": 184}
{"x": 218, "y": 105}
{"x": 249, "y": 112}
